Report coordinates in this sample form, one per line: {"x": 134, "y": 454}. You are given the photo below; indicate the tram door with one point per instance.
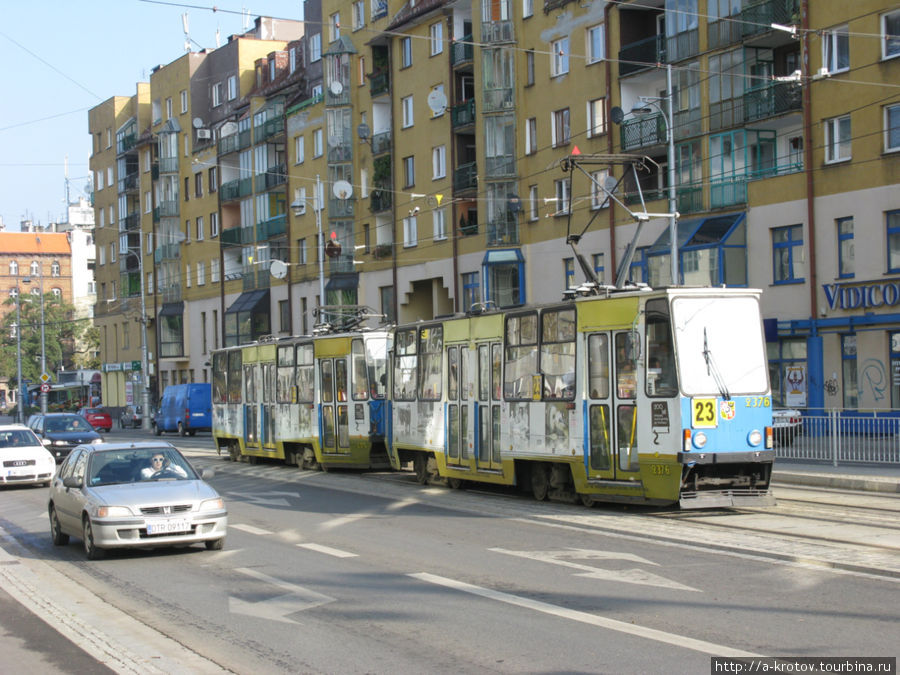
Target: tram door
{"x": 612, "y": 391}
{"x": 252, "y": 435}
{"x": 458, "y": 405}
{"x": 334, "y": 433}
{"x": 487, "y": 406}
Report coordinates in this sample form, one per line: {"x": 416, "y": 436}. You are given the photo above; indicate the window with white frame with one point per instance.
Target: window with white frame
{"x": 596, "y": 117}
{"x": 147, "y": 160}
{"x": 409, "y": 171}
{"x": 292, "y": 59}
{"x": 410, "y": 235}
{"x": 890, "y": 34}
{"x": 599, "y": 198}
{"x": 559, "y": 121}
{"x": 533, "y": 213}
{"x": 217, "y": 94}
{"x": 892, "y": 128}
{"x": 54, "y": 269}
{"x": 214, "y": 276}
{"x": 184, "y": 101}
{"x": 359, "y": 14}
{"x": 527, "y": 8}
{"x": 596, "y": 43}
{"x": 299, "y": 149}
{"x": 334, "y": 25}
{"x": 232, "y": 87}
{"x": 836, "y": 49}
{"x": 405, "y": 52}
{"x": 436, "y": 32}
{"x": 439, "y": 162}
{"x": 531, "y": 136}
{"x": 148, "y": 201}
{"x": 559, "y": 57}
{"x": 837, "y": 139}
{"x": 214, "y": 224}
{"x": 109, "y": 176}
{"x": 440, "y": 228}
{"x": 169, "y": 108}
{"x": 187, "y": 275}
{"x": 317, "y": 143}
{"x": 302, "y": 253}
{"x": 406, "y": 106}
{"x": 112, "y": 251}
{"x": 200, "y": 233}
{"x": 315, "y": 48}
{"x": 201, "y": 272}
{"x": 562, "y": 197}
{"x": 35, "y": 268}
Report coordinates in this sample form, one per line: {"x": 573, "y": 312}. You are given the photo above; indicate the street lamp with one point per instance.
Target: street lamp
{"x": 667, "y": 116}
{"x": 145, "y": 368}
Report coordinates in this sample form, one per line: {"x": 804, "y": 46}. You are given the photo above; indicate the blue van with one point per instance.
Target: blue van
{"x": 185, "y": 409}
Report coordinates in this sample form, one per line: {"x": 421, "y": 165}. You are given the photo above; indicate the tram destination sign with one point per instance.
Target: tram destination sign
{"x": 864, "y": 295}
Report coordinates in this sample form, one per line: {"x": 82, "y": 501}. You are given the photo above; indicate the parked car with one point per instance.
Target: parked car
{"x": 98, "y": 417}
{"x": 185, "y": 409}
{"x": 131, "y": 417}
{"x": 61, "y": 432}
{"x": 133, "y": 495}
{"x": 25, "y": 460}
{"x": 787, "y": 424}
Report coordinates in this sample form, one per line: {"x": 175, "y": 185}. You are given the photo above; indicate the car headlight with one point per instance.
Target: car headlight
{"x": 112, "y": 511}
{"x": 699, "y": 440}
{"x": 216, "y": 504}
{"x": 59, "y": 443}
{"x": 97, "y": 440}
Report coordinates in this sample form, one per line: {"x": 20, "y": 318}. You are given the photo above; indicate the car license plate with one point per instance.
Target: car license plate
{"x": 168, "y": 526}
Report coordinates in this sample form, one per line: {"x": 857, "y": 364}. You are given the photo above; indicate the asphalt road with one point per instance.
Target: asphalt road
{"x": 357, "y": 573}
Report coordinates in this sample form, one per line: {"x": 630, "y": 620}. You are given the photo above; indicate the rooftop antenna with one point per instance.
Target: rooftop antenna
{"x": 245, "y": 18}
{"x": 187, "y": 32}
{"x": 218, "y": 38}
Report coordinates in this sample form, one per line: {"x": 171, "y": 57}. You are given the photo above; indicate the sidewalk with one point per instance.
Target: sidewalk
{"x": 869, "y": 478}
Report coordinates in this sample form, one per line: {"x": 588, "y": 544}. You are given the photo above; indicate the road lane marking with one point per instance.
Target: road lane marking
{"x": 337, "y": 553}
{"x": 585, "y": 617}
{"x": 248, "y": 528}
{"x": 633, "y": 576}
{"x": 296, "y": 599}
{"x": 344, "y": 520}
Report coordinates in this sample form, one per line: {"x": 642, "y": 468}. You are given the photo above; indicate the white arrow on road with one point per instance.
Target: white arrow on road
{"x": 278, "y": 608}
{"x": 565, "y": 558}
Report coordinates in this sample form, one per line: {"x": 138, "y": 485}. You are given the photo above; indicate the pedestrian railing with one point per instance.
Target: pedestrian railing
{"x": 837, "y": 436}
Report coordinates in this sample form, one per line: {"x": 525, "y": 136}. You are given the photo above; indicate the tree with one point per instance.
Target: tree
{"x": 61, "y": 333}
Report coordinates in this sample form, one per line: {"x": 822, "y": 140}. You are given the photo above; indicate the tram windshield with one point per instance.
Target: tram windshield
{"x": 719, "y": 346}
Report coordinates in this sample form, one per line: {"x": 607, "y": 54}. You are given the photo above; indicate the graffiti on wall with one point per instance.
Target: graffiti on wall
{"x": 873, "y": 378}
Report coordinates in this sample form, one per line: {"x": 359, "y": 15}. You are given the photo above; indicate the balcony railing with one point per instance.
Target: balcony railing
{"x": 643, "y": 132}
{"x": 269, "y": 128}
{"x": 642, "y": 54}
{"x": 689, "y": 199}
{"x": 256, "y": 278}
{"x": 168, "y": 208}
{"x": 759, "y": 17}
{"x": 772, "y": 99}
{"x": 500, "y": 166}
{"x": 168, "y": 165}
{"x": 343, "y": 98}
{"x": 683, "y": 45}
{"x": 126, "y": 143}
{"x": 171, "y": 293}
{"x": 501, "y": 98}
{"x": 463, "y": 115}
{"x": 228, "y": 144}
{"x": 273, "y": 177}
{"x": 380, "y": 200}
{"x": 167, "y": 252}
{"x": 271, "y": 227}
{"x": 465, "y": 177}
{"x": 727, "y": 191}
{"x": 237, "y": 236}
{"x": 381, "y": 142}
{"x": 340, "y": 208}
{"x": 235, "y": 189}
{"x": 502, "y": 233}
{"x": 131, "y": 222}
{"x": 462, "y": 52}
{"x": 130, "y": 183}
{"x": 497, "y": 31}
{"x": 379, "y": 83}
{"x": 340, "y": 150}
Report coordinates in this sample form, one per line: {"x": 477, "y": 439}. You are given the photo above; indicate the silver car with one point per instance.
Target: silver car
{"x": 133, "y": 495}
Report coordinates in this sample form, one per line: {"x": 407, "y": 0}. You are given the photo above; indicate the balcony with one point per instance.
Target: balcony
{"x": 502, "y": 233}
{"x": 333, "y": 99}
{"x": 771, "y": 99}
{"x": 380, "y": 200}
{"x": 228, "y": 144}
{"x": 168, "y": 208}
{"x": 500, "y": 166}
{"x": 643, "y": 132}
{"x": 462, "y": 53}
{"x": 641, "y": 55}
{"x": 339, "y": 150}
{"x": 727, "y": 192}
{"x": 723, "y": 33}
{"x": 126, "y": 142}
{"x": 268, "y": 129}
{"x": 381, "y": 142}
{"x": 463, "y": 115}
{"x": 758, "y": 17}
{"x": 131, "y": 182}
{"x": 689, "y": 199}
{"x": 237, "y": 236}
{"x": 683, "y": 45}
{"x": 379, "y": 83}
{"x": 497, "y": 31}
{"x": 271, "y": 227}
{"x": 235, "y": 189}
{"x": 258, "y": 278}
{"x": 131, "y": 222}
{"x": 168, "y": 165}
{"x": 273, "y": 177}
{"x": 172, "y": 293}
{"x": 340, "y": 208}
{"x": 167, "y": 252}
{"x": 495, "y": 100}
{"x": 465, "y": 177}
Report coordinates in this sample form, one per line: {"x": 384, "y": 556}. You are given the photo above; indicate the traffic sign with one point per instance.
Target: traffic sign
{"x": 45, "y": 388}
{"x": 45, "y": 378}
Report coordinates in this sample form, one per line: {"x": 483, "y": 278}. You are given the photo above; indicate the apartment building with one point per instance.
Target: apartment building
{"x": 429, "y": 156}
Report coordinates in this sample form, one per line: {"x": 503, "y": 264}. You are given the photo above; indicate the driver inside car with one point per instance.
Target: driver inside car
{"x": 161, "y": 467}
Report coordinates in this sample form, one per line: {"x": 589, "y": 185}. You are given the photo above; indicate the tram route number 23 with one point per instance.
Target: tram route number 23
{"x": 703, "y": 412}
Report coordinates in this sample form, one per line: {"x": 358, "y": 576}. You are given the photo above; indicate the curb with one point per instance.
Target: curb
{"x": 860, "y": 483}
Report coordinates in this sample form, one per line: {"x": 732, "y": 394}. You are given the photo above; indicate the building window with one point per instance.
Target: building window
{"x": 596, "y": 43}
{"x": 169, "y": 108}
{"x": 214, "y": 275}
{"x": 334, "y": 25}
{"x": 845, "y": 247}
{"x": 54, "y": 269}
{"x": 410, "y": 236}
{"x": 409, "y": 171}
{"x": 440, "y": 228}
{"x": 439, "y": 162}
{"x": 559, "y": 57}
{"x": 284, "y": 315}
{"x": 212, "y": 180}
{"x": 405, "y": 52}
{"x": 894, "y": 341}
{"x": 527, "y": 8}
{"x": 184, "y": 101}
{"x": 532, "y": 202}
{"x": 214, "y": 224}
{"x": 201, "y": 272}
{"x": 890, "y": 32}
{"x": 892, "y": 219}
{"x": 836, "y": 49}
{"x": 315, "y": 48}
{"x": 599, "y": 270}
{"x": 787, "y": 247}
{"x": 596, "y": 117}
{"x": 299, "y": 149}
{"x": 406, "y": 105}
{"x": 359, "y": 14}
{"x": 187, "y": 275}
{"x": 13, "y": 268}
{"x": 892, "y": 128}
{"x": 560, "y": 127}
{"x": 531, "y": 136}
{"x": 35, "y": 268}
{"x": 848, "y": 371}
{"x": 198, "y": 184}
{"x": 599, "y": 197}
{"x": 562, "y": 197}
{"x": 232, "y": 87}
{"x": 200, "y": 232}
{"x": 148, "y": 202}
{"x": 529, "y": 68}
{"x": 301, "y": 255}
{"x": 317, "y": 143}
{"x": 112, "y": 252}
{"x": 471, "y": 291}
{"x": 217, "y": 94}
{"x": 437, "y": 38}
{"x": 837, "y": 139}
{"x": 568, "y": 272}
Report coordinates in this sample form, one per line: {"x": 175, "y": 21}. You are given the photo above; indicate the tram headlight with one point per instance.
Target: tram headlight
{"x": 754, "y": 438}
{"x": 699, "y": 440}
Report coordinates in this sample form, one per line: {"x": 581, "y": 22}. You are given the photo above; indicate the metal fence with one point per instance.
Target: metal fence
{"x": 842, "y": 436}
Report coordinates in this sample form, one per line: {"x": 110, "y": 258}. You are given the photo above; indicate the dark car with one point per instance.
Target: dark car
{"x": 98, "y": 417}
{"x": 131, "y": 417}
{"x": 60, "y": 432}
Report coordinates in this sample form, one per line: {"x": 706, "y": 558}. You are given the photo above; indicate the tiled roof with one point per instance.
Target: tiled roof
{"x": 16, "y": 243}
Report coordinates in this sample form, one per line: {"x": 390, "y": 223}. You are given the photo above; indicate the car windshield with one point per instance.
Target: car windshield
{"x": 66, "y": 424}
{"x": 17, "y": 438}
{"x": 111, "y": 467}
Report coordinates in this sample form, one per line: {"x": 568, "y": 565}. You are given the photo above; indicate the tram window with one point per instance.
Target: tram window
{"x": 285, "y": 378}
{"x": 360, "y": 382}
{"x": 599, "y": 420}
{"x": 376, "y": 363}
{"x": 305, "y": 373}
{"x": 234, "y": 376}
{"x": 598, "y": 365}
{"x": 327, "y": 382}
{"x": 661, "y": 377}
{"x": 558, "y": 354}
{"x": 496, "y": 359}
{"x": 627, "y": 428}
{"x": 453, "y": 373}
{"x": 268, "y": 382}
{"x": 405, "y": 366}
{"x": 484, "y": 374}
{"x": 520, "y": 364}
{"x": 464, "y": 372}
{"x": 250, "y": 384}
{"x": 340, "y": 379}
{"x": 431, "y": 346}
{"x": 626, "y": 379}
{"x": 220, "y": 377}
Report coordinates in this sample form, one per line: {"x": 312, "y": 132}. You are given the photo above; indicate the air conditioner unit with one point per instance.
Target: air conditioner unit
{"x": 204, "y": 133}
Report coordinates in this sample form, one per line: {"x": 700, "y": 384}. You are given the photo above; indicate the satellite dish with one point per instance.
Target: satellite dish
{"x": 616, "y": 114}
{"x": 342, "y": 189}
{"x": 278, "y": 269}
{"x": 228, "y": 129}
{"x": 437, "y": 101}
{"x": 198, "y": 123}
{"x": 336, "y": 87}
{"x": 432, "y": 201}
{"x": 363, "y": 131}
{"x": 610, "y": 183}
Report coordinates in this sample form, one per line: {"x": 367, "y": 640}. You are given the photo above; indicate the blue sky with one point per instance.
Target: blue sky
{"x": 60, "y": 58}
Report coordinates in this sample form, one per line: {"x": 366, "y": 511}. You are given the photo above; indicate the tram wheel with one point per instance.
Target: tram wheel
{"x": 420, "y": 466}
{"x": 540, "y": 481}
{"x": 454, "y": 483}
{"x": 588, "y": 500}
